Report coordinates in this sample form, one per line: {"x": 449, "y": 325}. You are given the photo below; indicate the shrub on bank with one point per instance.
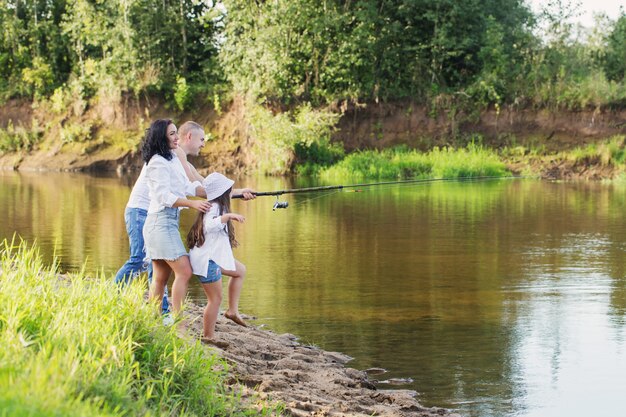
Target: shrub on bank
{"x": 73, "y": 346}
{"x": 14, "y": 139}
{"x": 301, "y": 135}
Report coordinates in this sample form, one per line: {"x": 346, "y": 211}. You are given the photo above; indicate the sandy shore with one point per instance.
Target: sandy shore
{"x": 307, "y": 380}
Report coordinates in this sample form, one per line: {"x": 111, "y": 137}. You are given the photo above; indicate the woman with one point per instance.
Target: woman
{"x": 168, "y": 187}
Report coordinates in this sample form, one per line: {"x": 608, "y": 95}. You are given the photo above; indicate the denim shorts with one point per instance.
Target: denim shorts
{"x": 213, "y": 274}
{"x": 161, "y": 235}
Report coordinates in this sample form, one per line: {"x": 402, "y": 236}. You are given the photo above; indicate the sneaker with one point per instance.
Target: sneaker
{"x": 168, "y": 320}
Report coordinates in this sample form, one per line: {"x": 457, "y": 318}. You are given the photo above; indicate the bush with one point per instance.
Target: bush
{"x": 76, "y": 132}
{"x": 182, "y": 93}
{"x": 285, "y": 138}
{"x": 14, "y": 139}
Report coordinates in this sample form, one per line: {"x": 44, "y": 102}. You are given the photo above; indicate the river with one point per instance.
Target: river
{"x": 492, "y": 298}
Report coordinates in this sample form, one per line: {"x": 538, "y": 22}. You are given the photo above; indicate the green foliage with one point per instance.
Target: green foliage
{"x": 60, "y": 101}
{"x": 459, "y": 57}
{"x": 14, "y": 139}
{"x": 402, "y": 163}
{"x": 278, "y": 136}
{"x": 362, "y": 49}
{"x": 310, "y": 158}
{"x": 610, "y": 152}
{"x": 75, "y": 346}
{"x": 39, "y": 77}
{"x": 118, "y": 45}
{"x": 76, "y": 132}
{"x": 182, "y": 93}
{"x": 615, "y": 56}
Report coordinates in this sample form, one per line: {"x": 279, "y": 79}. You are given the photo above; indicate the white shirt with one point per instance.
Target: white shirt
{"x": 140, "y": 195}
{"x": 216, "y": 245}
{"x": 167, "y": 182}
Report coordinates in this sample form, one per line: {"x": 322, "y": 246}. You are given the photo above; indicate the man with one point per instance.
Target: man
{"x": 135, "y": 216}
{"x": 191, "y": 141}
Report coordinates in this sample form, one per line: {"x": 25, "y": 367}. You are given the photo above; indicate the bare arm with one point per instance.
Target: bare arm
{"x": 200, "y": 205}
{"x": 233, "y": 216}
{"x": 195, "y": 172}
{"x": 190, "y": 170}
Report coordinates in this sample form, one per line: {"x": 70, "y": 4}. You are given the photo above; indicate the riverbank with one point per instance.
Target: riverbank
{"x": 243, "y": 136}
{"x": 307, "y": 380}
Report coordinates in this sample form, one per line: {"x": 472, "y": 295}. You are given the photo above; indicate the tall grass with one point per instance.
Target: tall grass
{"x": 75, "y": 346}
{"x": 402, "y": 163}
{"x": 609, "y": 152}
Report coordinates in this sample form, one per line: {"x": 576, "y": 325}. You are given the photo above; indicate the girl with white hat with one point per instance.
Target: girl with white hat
{"x": 211, "y": 240}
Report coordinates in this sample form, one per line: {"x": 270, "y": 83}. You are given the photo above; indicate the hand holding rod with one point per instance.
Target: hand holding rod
{"x": 294, "y": 191}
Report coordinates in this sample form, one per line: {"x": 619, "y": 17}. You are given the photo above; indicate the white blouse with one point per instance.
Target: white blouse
{"x": 140, "y": 195}
{"x": 167, "y": 182}
{"x": 216, "y": 245}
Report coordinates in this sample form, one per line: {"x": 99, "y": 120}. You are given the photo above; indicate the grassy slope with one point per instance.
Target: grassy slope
{"x": 75, "y": 346}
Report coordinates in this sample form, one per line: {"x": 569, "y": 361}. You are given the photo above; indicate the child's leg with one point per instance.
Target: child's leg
{"x": 213, "y": 293}
{"x": 235, "y": 284}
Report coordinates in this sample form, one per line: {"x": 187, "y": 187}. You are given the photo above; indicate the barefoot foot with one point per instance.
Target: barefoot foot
{"x": 236, "y": 319}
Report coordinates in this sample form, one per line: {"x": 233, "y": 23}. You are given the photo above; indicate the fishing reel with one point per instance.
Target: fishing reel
{"x": 280, "y": 205}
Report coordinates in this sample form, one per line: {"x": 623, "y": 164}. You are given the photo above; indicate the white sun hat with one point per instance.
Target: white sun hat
{"x": 215, "y": 184}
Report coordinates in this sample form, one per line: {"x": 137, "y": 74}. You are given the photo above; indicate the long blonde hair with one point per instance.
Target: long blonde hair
{"x": 195, "y": 237}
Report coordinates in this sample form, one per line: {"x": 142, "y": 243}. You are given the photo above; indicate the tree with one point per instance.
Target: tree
{"x": 615, "y": 55}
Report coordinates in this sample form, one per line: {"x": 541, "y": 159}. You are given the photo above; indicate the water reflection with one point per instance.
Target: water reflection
{"x": 496, "y": 298}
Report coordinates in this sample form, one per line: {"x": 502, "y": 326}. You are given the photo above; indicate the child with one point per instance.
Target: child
{"x": 211, "y": 240}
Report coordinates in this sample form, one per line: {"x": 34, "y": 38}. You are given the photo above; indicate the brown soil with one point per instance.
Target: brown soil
{"x": 555, "y": 168}
{"x": 378, "y": 126}
{"x": 307, "y": 380}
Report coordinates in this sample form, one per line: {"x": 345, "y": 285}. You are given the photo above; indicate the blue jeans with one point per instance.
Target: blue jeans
{"x": 137, "y": 263}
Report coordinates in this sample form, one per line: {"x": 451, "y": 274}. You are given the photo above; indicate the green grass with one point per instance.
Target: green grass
{"x": 76, "y": 346}
{"x": 609, "y": 152}
{"x": 401, "y": 163}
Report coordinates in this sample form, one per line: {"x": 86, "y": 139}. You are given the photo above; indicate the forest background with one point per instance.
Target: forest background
{"x": 285, "y": 86}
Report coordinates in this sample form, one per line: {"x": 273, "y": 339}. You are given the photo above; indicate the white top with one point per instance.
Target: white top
{"x": 167, "y": 182}
{"x": 140, "y": 195}
{"x": 216, "y": 245}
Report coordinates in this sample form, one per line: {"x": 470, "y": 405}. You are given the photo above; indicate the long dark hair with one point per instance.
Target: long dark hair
{"x": 195, "y": 237}
{"x": 155, "y": 142}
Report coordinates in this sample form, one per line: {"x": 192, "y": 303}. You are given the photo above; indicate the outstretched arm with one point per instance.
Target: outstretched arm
{"x": 232, "y": 216}
{"x": 248, "y": 193}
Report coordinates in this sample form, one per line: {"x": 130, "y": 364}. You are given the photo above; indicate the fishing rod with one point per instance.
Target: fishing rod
{"x": 285, "y": 204}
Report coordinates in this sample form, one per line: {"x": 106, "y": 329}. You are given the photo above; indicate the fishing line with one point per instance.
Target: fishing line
{"x": 308, "y": 200}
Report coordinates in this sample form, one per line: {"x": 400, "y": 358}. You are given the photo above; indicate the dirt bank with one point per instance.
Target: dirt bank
{"x": 403, "y": 122}
{"x": 116, "y": 130}
{"x": 308, "y": 380}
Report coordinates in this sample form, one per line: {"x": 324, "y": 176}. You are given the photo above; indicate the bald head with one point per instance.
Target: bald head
{"x": 191, "y": 137}
{"x": 189, "y": 127}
